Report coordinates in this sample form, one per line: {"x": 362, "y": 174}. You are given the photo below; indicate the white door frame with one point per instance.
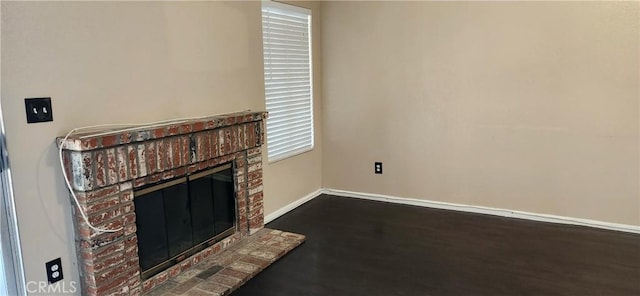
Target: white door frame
{"x": 12, "y": 280}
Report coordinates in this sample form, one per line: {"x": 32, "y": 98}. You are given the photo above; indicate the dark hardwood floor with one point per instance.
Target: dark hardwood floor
{"x": 358, "y": 247}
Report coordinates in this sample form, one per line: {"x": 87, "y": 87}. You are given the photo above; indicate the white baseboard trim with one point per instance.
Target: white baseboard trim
{"x": 484, "y": 210}
{"x": 281, "y": 211}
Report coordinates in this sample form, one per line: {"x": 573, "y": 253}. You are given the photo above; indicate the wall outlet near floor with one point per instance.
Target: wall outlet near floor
{"x": 54, "y": 270}
{"x": 377, "y": 167}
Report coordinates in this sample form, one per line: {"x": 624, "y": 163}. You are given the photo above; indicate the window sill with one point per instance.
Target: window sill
{"x": 289, "y": 155}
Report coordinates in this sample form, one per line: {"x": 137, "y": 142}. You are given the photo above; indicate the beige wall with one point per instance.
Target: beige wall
{"x": 524, "y": 106}
{"x": 117, "y": 62}
{"x": 515, "y": 105}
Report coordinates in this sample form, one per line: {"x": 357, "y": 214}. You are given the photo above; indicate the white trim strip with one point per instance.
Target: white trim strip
{"x": 276, "y": 6}
{"x": 485, "y": 210}
{"x": 288, "y": 208}
{"x": 453, "y": 207}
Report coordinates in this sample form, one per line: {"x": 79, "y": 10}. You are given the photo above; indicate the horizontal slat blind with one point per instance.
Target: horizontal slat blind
{"x": 286, "y": 33}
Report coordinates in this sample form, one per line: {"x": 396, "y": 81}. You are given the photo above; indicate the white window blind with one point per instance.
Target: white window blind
{"x": 286, "y": 37}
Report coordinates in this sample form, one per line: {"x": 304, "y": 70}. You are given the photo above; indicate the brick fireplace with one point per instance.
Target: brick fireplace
{"x": 104, "y": 169}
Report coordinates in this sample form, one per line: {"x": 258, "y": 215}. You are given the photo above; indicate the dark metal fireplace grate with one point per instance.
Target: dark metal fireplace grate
{"x": 178, "y": 218}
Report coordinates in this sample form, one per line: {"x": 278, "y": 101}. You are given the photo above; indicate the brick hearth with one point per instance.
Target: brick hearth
{"x": 225, "y": 272}
{"x": 105, "y": 167}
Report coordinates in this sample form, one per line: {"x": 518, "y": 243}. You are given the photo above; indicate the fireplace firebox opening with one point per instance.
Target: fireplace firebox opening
{"x": 180, "y": 217}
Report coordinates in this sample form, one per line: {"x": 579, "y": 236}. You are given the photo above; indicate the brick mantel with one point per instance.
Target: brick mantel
{"x": 105, "y": 167}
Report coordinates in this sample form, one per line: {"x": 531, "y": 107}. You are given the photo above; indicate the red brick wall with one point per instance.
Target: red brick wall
{"x": 104, "y": 169}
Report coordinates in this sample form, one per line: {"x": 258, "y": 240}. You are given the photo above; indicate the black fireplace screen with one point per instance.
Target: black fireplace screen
{"x": 178, "y": 218}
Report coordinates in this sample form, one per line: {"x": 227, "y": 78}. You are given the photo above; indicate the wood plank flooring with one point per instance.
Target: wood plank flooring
{"x": 359, "y": 247}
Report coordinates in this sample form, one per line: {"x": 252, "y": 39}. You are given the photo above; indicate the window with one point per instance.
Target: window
{"x": 286, "y": 37}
